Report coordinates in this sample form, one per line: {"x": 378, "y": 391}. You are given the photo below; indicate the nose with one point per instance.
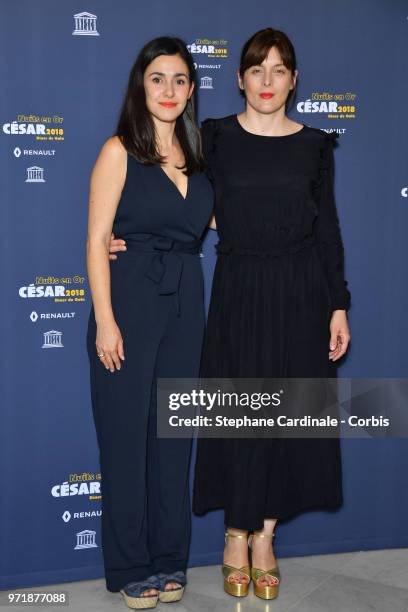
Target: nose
{"x": 169, "y": 89}
{"x": 267, "y": 78}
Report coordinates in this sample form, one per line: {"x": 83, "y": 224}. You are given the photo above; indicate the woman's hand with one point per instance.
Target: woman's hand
{"x": 116, "y": 245}
{"x": 109, "y": 345}
{"x": 339, "y": 335}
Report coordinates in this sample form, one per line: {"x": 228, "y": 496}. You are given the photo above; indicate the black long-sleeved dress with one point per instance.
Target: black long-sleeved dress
{"x": 278, "y": 278}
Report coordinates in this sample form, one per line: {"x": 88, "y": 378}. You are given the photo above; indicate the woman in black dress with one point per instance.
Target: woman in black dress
{"x": 278, "y": 305}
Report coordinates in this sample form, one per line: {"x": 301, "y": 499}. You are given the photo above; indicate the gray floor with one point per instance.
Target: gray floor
{"x": 348, "y": 582}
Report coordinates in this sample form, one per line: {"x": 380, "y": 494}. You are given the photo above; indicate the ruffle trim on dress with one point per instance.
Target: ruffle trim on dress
{"x": 325, "y": 151}
{"x": 329, "y": 140}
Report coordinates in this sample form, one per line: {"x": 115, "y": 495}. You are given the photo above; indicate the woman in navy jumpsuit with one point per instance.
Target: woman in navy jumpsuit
{"x": 157, "y": 298}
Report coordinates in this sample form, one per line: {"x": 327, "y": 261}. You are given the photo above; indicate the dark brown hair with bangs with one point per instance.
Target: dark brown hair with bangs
{"x": 256, "y": 49}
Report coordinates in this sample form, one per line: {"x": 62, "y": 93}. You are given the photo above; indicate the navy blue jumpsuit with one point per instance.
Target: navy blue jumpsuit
{"x": 158, "y": 305}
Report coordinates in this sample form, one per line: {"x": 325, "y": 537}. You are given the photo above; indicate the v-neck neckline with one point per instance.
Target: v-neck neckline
{"x": 174, "y": 184}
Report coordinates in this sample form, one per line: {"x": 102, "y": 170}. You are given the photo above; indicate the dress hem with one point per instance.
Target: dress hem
{"x": 327, "y": 506}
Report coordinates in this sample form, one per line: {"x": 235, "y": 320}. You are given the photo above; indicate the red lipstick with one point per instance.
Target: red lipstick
{"x": 168, "y": 104}
{"x": 266, "y": 95}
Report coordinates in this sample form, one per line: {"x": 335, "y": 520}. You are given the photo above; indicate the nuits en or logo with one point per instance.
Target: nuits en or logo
{"x": 35, "y": 174}
{"x": 206, "y": 82}
{"x": 40, "y": 291}
{"x": 86, "y": 539}
{"x": 24, "y": 128}
{"x": 61, "y": 288}
{"x": 333, "y": 105}
{"x": 53, "y": 339}
{"x": 404, "y": 192}
{"x": 85, "y": 25}
{"x": 214, "y": 48}
{"x": 38, "y": 126}
{"x": 86, "y": 483}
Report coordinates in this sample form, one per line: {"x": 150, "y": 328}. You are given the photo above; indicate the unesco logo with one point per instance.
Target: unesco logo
{"x": 206, "y": 82}
{"x": 35, "y": 174}
{"x": 85, "y": 24}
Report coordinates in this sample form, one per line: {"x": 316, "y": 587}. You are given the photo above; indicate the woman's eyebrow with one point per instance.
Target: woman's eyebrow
{"x": 164, "y": 74}
{"x": 275, "y": 65}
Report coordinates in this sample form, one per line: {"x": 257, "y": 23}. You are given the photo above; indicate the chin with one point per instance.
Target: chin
{"x": 267, "y": 106}
{"x": 166, "y": 115}
{"x": 266, "y": 109}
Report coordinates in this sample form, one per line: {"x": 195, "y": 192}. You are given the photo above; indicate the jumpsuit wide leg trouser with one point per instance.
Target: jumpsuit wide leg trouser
{"x": 145, "y": 480}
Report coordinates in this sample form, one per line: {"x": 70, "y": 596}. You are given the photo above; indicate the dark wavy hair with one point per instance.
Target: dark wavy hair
{"x": 256, "y": 49}
{"x": 135, "y": 126}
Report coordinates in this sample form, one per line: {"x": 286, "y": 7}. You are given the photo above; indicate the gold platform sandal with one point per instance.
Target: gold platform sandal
{"x": 236, "y": 589}
{"x": 267, "y": 591}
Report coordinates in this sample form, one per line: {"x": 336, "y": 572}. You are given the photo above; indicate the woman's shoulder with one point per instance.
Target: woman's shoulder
{"x": 112, "y": 151}
{"x": 321, "y": 136}
{"x": 225, "y": 119}
{"x": 111, "y": 164}
{"x": 114, "y": 148}
{"x": 213, "y": 128}
{"x": 216, "y": 123}
{"x": 323, "y": 144}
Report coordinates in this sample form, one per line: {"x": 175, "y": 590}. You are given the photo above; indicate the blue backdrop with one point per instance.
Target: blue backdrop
{"x": 64, "y": 69}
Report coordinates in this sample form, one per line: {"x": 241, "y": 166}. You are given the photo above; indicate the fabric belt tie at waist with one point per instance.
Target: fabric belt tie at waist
{"x": 166, "y": 266}
{"x": 226, "y": 249}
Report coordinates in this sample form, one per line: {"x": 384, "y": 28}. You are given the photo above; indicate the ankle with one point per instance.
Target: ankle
{"x": 236, "y": 549}
{"x": 270, "y": 533}
{"x": 262, "y": 538}
{"x": 236, "y": 533}
{"x": 236, "y": 538}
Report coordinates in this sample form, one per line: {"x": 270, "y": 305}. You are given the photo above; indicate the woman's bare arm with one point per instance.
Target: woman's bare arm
{"x": 107, "y": 180}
